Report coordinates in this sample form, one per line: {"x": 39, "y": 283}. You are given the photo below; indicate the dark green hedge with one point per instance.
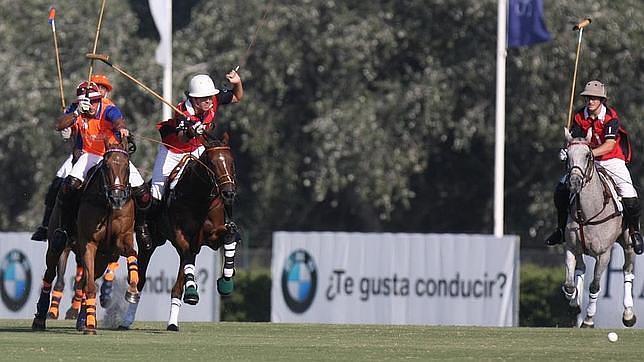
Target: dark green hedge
{"x": 541, "y": 302}
{"x": 251, "y": 300}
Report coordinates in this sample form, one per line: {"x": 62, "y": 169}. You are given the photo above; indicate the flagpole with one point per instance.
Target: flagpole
{"x": 499, "y": 143}
{"x": 167, "y": 69}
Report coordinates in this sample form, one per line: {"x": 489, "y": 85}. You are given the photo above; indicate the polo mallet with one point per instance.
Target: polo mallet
{"x": 105, "y": 59}
{"x": 243, "y": 60}
{"x": 580, "y": 26}
{"x": 52, "y": 22}
{"x": 98, "y": 32}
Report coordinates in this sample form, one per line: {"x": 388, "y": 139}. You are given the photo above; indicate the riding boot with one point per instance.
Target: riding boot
{"x": 632, "y": 211}
{"x": 143, "y": 202}
{"x": 561, "y": 198}
{"x": 67, "y": 200}
{"x": 50, "y": 200}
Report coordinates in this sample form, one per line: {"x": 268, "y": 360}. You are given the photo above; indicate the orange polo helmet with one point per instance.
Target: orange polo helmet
{"x": 101, "y": 79}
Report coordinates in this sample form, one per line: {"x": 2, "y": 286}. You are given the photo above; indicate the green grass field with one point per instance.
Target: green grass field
{"x": 228, "y": 341}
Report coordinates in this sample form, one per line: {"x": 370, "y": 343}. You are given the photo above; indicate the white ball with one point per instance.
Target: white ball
{"x": 612, "y": 336}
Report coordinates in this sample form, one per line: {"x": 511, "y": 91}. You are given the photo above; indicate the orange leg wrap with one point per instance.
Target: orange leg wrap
{"x": 78, "y": 298}
{"x": 56, "y": 296}
{"x": 91, "y": 313}
{"x": 133, "y": 269}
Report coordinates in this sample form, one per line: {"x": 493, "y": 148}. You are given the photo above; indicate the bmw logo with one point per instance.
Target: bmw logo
{"x": 299, "y": 281}
{"x": 15, "y": 280}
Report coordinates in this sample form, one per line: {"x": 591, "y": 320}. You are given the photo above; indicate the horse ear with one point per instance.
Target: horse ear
{"x": 567, "y": 135}
{"x": 589, "y": 134}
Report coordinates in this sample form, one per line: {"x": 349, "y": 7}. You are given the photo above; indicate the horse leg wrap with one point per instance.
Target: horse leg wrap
{"x": 569, "y": 292}
{"x": 592, "y": 304}
{"x": 229, "y": 258}
{"x": 189, "y": 272}
{"x": 54, "y": 308}
{"x": 173, "y": 322}
{"x": 190, "y": 294}
{"x": 90, "y": 322}
{"x": 132, "y": 269}
{"x": 628, "y": 290}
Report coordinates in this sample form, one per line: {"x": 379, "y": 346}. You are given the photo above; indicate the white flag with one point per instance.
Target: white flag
{"x": 162, "y": 15}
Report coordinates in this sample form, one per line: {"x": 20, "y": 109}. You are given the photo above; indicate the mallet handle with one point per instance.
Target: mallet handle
{"x": 105, "y": 59}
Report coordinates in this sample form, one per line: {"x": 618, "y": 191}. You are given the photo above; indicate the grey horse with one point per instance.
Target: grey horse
{"x": 594, "y": 224}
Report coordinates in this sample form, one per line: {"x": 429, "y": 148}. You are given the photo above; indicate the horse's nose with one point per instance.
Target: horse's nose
{"x": 575, "y": 183}
{"x": 228, "y": 195}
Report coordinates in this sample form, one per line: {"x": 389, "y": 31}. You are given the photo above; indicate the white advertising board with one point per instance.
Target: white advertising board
{"x": 22, "y": 265}
{"x": 384, "y": 278}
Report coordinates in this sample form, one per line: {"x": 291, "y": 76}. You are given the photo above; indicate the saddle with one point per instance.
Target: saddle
{"x": 609, "y": 184}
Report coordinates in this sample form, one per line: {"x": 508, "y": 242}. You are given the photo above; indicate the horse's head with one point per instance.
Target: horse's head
{"x": 221, "y": 162}
{"x": 581, "y": 166}
{"x": 116, "y": 173}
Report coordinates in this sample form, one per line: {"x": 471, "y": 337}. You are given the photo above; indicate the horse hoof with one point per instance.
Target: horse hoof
{"x": 132, "y": 298}
{"x": 123, "y": 328}
{"x": 225, "y": 286}
{"x": 585, "y": 324}
{"x": 630, "y": 322}
{"x": 52, "y": 315}
{"x": 191, "y": 296}
{"x": 38, "y": 324}
{"x": 90, "y": 332}
{"x": 173, "y": 328}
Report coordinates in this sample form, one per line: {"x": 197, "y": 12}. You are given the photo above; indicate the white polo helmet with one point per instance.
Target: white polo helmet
{"x": 201, "y": 85}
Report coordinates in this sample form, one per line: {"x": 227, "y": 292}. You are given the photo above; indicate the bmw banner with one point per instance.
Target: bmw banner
{"x": 385, "y": 278}
{"x": 22, "y": 266}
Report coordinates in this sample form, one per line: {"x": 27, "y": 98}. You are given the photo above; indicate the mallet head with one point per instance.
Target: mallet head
{"x": 582, "y": 24}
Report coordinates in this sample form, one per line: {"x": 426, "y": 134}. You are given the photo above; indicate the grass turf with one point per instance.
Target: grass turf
{"x": 297, "y": 342}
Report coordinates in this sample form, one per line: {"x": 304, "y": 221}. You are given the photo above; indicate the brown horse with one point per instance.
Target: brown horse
{"x": 104, "y": 229}
{"x": 197, "y": 212}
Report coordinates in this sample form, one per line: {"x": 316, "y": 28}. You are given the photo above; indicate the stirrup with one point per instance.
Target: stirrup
{"x": 637, "y": 242}
{"x": 555, "y": 238}
{"x": 40, "y": 234}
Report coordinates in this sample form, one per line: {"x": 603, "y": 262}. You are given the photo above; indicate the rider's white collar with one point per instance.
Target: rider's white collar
{"x": 601, "y": 116}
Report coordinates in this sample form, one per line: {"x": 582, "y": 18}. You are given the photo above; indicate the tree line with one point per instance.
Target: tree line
{"x": 369, "y": 116}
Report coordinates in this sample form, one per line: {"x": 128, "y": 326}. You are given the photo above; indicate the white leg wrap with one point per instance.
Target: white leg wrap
{"x": 175, "y": 305}
{"x": 592, "y": 304}
{"x": 229, "y": 255}
{"x": 579, "y": 277}
{"x": 628, "y": 290}
{"x": 130, "y": 314}
{"x": 189, "y": 269}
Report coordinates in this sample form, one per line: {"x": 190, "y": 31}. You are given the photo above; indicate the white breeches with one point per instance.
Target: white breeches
{"x": 619, "y": 172}
{"x": 66, "y": 168}
{"x": 165, "y": 162}
{"x": 88, "y": 160}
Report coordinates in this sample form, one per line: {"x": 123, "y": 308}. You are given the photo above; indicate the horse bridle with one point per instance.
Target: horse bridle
{"x": 125, "y": 188}
{"x": 226, "y": 178}
{"x": 587, "y": 173}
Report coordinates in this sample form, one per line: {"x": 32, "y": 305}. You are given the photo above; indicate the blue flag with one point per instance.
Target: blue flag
{"x": 525, "y": 23}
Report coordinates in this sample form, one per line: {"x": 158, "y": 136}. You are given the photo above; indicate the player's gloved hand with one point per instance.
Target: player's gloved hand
{"x": 66, "y": 133}
{"x": 563, "y": 155}
{"x": 84, "y": 105}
